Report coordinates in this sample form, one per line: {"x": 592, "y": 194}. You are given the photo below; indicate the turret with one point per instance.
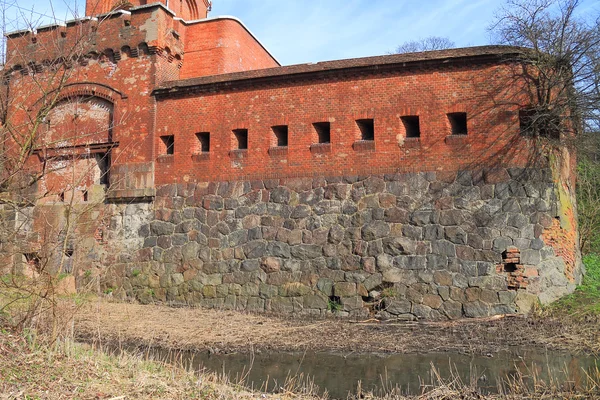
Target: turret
{"x": 188, "y": 10}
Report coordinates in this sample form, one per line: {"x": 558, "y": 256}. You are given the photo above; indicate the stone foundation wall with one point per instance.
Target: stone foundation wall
{"x": 415, "y": 245}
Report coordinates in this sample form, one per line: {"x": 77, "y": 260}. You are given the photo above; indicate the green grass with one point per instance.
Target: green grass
{"x": 585, "y": 301}
{"x": 62, "y": 276}
{"x": 334, "y": 305}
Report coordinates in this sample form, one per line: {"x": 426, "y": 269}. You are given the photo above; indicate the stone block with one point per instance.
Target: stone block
{"x": 452, "y": 309}
{"x": 437, "y": 262}
{"x": 433, "y": 232}
{"x": 294, "y": 289}
{"x": 489, "y": 296}
{"x": 489, "y": 282}
{"x": 399, "y": 246}
{"x": 351, "y": 303}
{"x": 306, "y": 251}
{"x": 414, "y": 294}
{"x": 344, "y": 289}
{"x": 267, "y": 291}
{"x": 458, "y": 294}
{"x": 500, "y": 309}
{"x": 270, "y": 264}
{"x": 209, "y": 292}
{"x": 250, "y": 289}
{"x": 397, "y": 215}
{"x": 460, "y": 281}
{"x": 531, "y": 257}
{"x": 373, "y": 281}
{"x": 177, "y": 279}
{"x": 421, "y": 311}
{"x": 325, "y": 285}
{"x": 412, "y": 232}
{"x": 421, "y": 218}
{"x": 433, "y": 301}
{"x": 222, "y": 290}
{"x": 444, "y": 292}
{"x": 282, "y": 305}
{"x": 397, "y": 306}
{"x": 255, "y": 249}
{"x": 451, "y": 217}
{"x": 500, "y": 244}
{"x": 278, "y": 249}
{"x": 525, "y": 302}
{"x": 443, "y": 247}
{"x": 476, "y": 309}
{"x": 411, "y": 262}
{"x": 316, "y": 301}
{"x": 442, "y": 278}
{"x": 375, "y": 230}
{"x": 455, "y": 234}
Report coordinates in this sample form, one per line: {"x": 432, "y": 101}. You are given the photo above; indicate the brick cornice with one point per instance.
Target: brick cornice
{"x": 368, "y": 66}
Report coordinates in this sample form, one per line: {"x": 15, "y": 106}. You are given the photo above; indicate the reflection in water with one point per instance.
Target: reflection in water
{"x": 339, "y": 374}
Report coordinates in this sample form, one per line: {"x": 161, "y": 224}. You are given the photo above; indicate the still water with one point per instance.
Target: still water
{"x": 339, "y": 374}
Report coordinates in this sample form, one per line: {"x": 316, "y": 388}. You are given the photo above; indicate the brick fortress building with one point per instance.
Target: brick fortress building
{"x": 175, "y": 160}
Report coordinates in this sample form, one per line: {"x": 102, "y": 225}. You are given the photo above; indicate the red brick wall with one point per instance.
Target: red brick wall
{"x": 479, "y": 91}
{"x": 222, "y": 46}
{"x": 120, "y": 71}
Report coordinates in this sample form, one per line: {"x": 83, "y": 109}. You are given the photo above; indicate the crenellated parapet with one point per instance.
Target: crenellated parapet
{"x": 108, "y": 38}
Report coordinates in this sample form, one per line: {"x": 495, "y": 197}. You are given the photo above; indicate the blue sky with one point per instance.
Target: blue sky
{"x": 299, "y": 31}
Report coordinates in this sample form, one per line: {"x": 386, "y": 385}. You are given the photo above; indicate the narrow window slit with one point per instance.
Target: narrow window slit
{"x": 458, "y": 123}
{"x": 281, "y": 135}
{"x": 241, "y": 139}
{"x": 367, "y": 129}
{"x": 203, "y": 142}
{"x": 168, "y": 147}
{"x": 411, "y": 126}
{"x": 323, "y": 130}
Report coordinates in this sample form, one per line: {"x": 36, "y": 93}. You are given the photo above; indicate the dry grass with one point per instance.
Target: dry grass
{"x": 519, "y": 387}
{"x": 76, "y": 371}
{"x": 31, "y": 368}
{"x": 229, "y": 331}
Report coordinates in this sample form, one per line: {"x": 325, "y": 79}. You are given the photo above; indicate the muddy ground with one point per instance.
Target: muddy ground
{"x": 229, "y": 331}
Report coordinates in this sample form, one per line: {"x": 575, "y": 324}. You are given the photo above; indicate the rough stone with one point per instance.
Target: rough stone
{"x": 476, "y": 309}
{"x": 306, "y": 251}
{"x": 344, "y": 289}
{"x": 397, "y": 306}
{"x": 375, "y": 230}
{"x": 270, "y": 264}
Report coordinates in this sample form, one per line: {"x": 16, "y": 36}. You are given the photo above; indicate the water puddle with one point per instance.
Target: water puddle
{"x": 339, "y": 374}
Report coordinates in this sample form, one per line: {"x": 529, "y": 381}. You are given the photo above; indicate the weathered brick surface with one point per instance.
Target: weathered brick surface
{"x": 493, "y": 138}
{"x": 222, "y": 46}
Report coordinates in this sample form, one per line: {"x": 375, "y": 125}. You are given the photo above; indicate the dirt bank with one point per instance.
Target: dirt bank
{"x": 229, "y": 331}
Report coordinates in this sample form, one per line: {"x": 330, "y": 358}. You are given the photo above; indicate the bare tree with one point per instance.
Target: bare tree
{"x": 427, "y": 44}
{"x": 562, "y": 68}
{"x": 42, "y": 126}
{"x": 564, "y": 60}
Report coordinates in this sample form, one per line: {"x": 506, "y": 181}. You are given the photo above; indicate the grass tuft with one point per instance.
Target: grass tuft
{"x": 584, "y": 303}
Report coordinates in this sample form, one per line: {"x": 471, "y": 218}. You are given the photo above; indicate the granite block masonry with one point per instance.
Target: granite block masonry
{"x": 405, "y": 245}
